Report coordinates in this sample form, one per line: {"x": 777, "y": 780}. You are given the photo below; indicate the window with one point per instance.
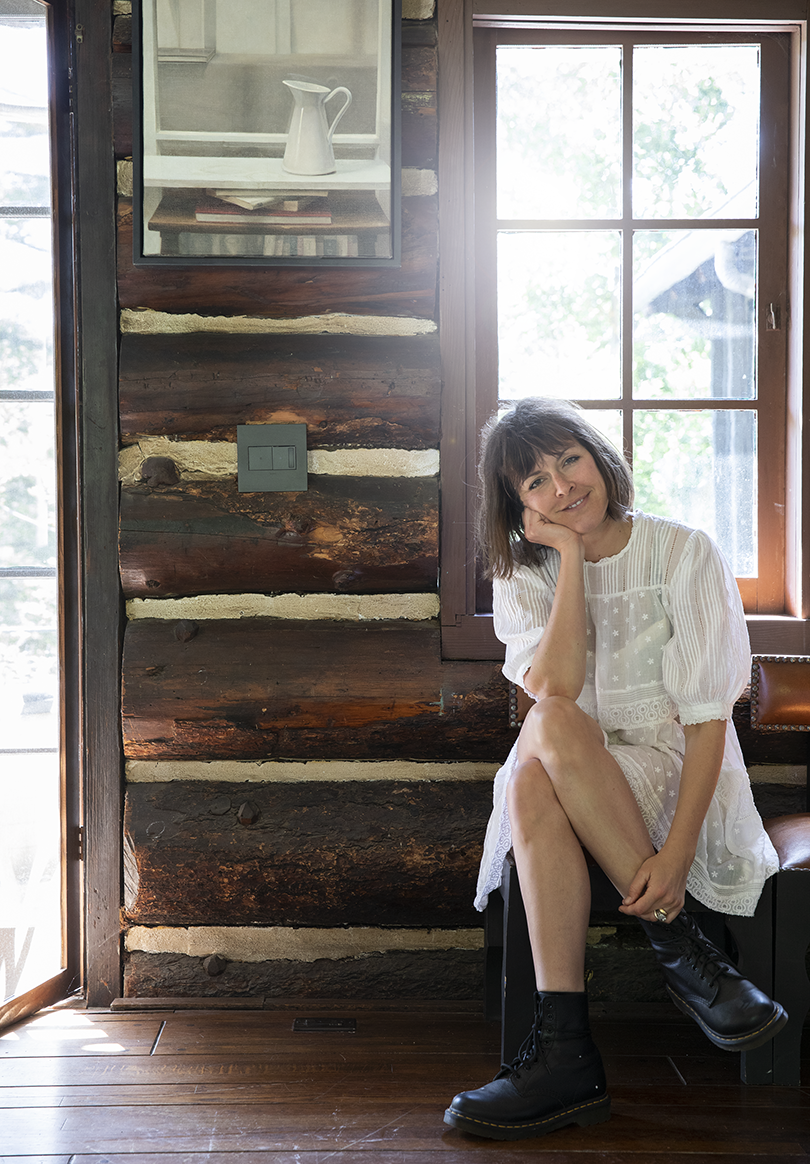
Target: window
{"x": 627, "y": 248}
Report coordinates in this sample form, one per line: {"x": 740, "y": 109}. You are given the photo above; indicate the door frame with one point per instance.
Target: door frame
{"x": 90, "y": 616}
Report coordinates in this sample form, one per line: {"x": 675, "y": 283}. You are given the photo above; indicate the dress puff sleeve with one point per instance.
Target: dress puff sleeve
{"x": 521, "y": 608}
{"x": 707, "y": 662}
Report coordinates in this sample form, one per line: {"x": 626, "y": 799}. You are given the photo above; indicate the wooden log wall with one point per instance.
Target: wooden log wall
{"x": 307, "y": 783}
{"x": 300, "y": 761}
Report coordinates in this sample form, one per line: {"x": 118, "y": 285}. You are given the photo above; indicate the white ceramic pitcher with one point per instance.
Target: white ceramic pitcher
{"x": 309, "y": 142}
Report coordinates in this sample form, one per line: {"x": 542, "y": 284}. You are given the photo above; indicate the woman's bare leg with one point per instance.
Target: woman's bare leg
{"x": 568, "y": 791}
{"x": 554, "y": 879}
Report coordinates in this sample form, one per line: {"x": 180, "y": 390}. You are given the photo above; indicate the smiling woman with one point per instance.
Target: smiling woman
{"x": 629, "y": 634}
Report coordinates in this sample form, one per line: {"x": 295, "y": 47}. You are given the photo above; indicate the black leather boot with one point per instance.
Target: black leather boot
{"x": 704, "y": 984}
{"x": 557, "y": 1079}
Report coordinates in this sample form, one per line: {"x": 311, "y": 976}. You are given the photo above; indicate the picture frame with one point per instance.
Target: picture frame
{"x": 267, "y": 133}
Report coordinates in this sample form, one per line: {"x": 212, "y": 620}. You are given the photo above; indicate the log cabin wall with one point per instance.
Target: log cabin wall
{"x": 307, "y": 784}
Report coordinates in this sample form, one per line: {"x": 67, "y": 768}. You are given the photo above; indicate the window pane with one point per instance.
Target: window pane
{"x": 700, "y": 468}
{"x": 695, "y": 130}
{"x": 609, "y": 423}
{"x": 694, "y": 305}
{"x": 558, "y": 314}
{"x": 25, "y": 156}
{"x": 26, "y": 304}
{"x": 27, "y": 485}
{"x": 28, "y": 641}
{"x": 559, "y": 132}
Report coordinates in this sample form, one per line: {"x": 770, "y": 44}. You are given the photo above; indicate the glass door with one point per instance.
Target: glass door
{"x": 32, "y": 946}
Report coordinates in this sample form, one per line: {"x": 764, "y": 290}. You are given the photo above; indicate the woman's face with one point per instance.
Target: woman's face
{"x": 567, "y": 489}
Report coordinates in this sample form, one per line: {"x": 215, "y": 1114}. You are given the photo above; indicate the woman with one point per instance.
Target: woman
{"x": 628, "y": 631}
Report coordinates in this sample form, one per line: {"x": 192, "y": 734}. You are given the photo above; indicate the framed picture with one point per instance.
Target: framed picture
{"x": 267, "y": 132}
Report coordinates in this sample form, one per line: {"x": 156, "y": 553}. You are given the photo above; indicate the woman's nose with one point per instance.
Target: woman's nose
{"x": 561, "y": 484}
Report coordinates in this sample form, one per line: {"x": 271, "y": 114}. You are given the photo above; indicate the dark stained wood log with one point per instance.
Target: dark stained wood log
{"x": 317, "y": 853}
{"x": 394, "y": 974}
{"x": 122, "y": 104}
{"x": 420, "y": 130}
{"x": 286, "y": 292}
{"x": 420, "y": 67}
{"x": 357, "y": 535}
{"x": 259, "y": 687}
{"x": 122, "y": 34}
{"x": 366, "y": 391}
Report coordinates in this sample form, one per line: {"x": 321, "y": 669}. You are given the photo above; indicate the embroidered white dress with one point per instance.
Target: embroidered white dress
{"x": 667, "y": 645}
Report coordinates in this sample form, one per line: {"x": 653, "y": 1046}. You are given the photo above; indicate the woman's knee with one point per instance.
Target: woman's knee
{"x": 556, "y": 723}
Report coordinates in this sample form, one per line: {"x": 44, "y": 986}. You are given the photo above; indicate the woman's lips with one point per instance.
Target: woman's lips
{"x": 575, "y": 504}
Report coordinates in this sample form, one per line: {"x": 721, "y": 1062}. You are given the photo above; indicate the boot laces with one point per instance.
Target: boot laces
{"x": 705, "y": 961}
{"x": 531, "y": 1050}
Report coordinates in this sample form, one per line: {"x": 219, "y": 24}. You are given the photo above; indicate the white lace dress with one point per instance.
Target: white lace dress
{"x": 667, "y": 645}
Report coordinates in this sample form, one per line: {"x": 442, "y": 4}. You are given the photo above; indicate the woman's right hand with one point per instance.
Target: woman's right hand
{"x": 542, "y": 532}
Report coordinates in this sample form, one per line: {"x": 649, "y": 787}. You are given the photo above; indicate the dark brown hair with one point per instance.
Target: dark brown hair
{"x": 511, "y": 447}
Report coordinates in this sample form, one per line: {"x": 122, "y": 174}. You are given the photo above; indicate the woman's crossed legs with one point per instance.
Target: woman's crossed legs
{"x": 568, "y": 792}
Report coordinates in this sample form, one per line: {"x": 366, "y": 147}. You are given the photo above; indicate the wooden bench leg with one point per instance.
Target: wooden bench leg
{"x": 791, "y": 986}
{"x": 755, "y": 946}
{"x": 519, "y": 983}
{"x": 493, "y": 957}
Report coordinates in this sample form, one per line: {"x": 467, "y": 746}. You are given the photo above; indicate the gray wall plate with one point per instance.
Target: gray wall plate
{"x": 271, "y": 458}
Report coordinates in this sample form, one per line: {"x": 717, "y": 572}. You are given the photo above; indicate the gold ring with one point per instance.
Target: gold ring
{"x": 660, "y": 915}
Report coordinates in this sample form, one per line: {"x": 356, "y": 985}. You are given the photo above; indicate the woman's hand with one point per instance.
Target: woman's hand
{"x": 542, "y": 532}
{"x": 660, "y": 883}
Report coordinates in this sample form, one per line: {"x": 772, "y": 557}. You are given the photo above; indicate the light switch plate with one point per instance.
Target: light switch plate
{"x": 271, "y": 458}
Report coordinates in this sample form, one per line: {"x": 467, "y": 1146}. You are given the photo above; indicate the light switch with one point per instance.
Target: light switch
{"x": 271, "y": 458}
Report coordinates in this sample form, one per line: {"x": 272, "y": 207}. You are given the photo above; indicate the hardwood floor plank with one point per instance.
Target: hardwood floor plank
{"x": 373, "y": 1128}
{"x": 36, "y": 1160}
{"x": 257, "y": 1033}
{"x": 495, "y": 1154}
{"x": 125, "y": 1071}
{"x": 74, "y": 1033}
{"x": 433, "y": 1088}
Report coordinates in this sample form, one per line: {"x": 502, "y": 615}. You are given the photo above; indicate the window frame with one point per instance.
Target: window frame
{"x": 466, "y": 634}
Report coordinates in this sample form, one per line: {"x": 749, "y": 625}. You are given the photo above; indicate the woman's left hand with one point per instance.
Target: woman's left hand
{"x": 659, "y": 884}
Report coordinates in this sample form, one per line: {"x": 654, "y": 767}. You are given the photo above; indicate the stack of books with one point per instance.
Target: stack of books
{"x": 291, "y": 212}
{"x": 284, "y": 209}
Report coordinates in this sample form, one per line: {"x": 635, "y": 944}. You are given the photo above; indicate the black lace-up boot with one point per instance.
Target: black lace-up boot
{"x": 704, "y": 984}
{"x": 557, "y": 1079}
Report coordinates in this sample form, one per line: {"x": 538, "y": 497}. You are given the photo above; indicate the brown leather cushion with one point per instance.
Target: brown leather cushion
{"x": 780, "y": 692}
{"x": 791, "y": 839}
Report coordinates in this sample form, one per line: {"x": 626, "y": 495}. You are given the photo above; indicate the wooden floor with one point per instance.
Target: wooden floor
{"x": 234, "y": 1085}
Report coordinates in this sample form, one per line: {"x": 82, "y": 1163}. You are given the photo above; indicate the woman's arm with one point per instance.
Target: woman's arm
{"x": 661, "y": 881}
{"x": 558, "y": 666}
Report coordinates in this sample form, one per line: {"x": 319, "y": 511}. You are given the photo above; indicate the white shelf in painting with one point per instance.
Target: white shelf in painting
{"x": 260, "y": 173}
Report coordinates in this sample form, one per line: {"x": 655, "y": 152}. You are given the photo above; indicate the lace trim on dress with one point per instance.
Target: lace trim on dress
{"x": 644, "y": 713}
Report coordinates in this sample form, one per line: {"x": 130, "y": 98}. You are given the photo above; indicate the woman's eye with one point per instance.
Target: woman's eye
{"x": 572, "y": 459}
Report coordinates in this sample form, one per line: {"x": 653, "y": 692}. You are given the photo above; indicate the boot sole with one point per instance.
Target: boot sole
{"x": 595, "y": 1111}
{"x": 746, "y": 1042}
